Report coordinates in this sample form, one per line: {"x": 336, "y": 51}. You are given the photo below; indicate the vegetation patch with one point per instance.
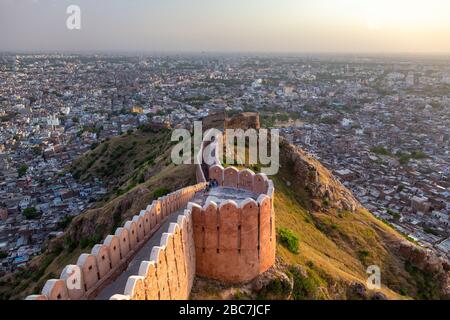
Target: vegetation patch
{"x": 31, "y": 213}
{"x": 275, "y": 289}
{"x": 380, "y": 150}
{"x": 363, "y": 255}
{"x": 306, "y": 286}
{"x": 427, "y": 289}
{"x": 22, "y": 170}
{"x": 288, "y": 239}
{"x": 160, "y": 192}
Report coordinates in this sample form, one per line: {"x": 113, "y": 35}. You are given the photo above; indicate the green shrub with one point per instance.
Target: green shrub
{"x": 70, "y": 244}
{"x": 64, "y": 223}
{"x": 427, "y": 286}
{"x": 160, "y": 192}
{"x": 31, "y": 213}
{"x": 380, "y": 150}
{"x": 22, "y": 170}
{"x": 288, "y": 239}
{"x": 431, "y": 231}
{"x": 275, "y": 289}
{"x": 305, "y": 287}
{"x": 418, "y": 155}
{"x": 42, "y": 267}
{"x": 363, "y": 255}
{"x": 91, "y": 241}
{"x": 403, "y": 159}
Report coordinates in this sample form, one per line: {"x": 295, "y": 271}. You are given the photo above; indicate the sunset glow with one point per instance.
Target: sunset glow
{"x": 413, "y": 26}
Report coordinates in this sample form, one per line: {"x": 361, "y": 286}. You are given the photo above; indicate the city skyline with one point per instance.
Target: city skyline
{"x": 203, "y": 26}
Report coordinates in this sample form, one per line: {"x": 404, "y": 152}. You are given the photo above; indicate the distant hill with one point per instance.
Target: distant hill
{"x": 337, "y": 237}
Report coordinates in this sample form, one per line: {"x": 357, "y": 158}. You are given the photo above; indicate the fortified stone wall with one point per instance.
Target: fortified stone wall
{"x": 170, "y": 273}
{"x": 219, "y": 121}
{"x": 235, "y": 243}
{"x": 108, "y": 260}
{"x": 231, "y": 243}
{"x": 202, "y": 166}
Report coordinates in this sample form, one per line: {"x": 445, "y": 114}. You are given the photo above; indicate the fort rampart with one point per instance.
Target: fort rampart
{"x": 235, "y": 242}
{"x": 227, "y": 242}
{"x": 108, "y": 260}
{"x": 223, "y": 240}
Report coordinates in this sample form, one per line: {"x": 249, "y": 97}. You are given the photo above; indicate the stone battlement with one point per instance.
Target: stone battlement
{"x": 232, "y": 242}
{"x": 225, "y": 233}
{"x": 109, "y": 259}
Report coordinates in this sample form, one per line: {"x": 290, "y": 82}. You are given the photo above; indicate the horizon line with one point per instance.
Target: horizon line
{"x": 228, "y": 52}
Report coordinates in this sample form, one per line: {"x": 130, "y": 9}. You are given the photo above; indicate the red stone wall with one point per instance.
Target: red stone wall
{"x": 234, "y": 243}
{"x": 169, "y": 276}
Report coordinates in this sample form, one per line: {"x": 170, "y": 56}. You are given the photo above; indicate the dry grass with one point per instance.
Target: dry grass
{"x": 331, "y": 244}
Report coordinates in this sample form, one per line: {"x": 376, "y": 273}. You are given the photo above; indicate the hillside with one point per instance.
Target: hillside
{"x": 337, "y": 238}
{"x": 125, "y": 161}
{"x": 127, "y": 197}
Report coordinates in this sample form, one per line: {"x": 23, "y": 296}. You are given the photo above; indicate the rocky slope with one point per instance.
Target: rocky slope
{"x": 406, "y": 268}
{"x": 337, "y": 240}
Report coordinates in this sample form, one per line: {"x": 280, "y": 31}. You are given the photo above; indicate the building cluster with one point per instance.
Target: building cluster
{"x": 382, "y": 125}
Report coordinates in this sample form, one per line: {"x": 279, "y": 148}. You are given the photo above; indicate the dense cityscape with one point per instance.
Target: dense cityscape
{"x": 382, "y": 125}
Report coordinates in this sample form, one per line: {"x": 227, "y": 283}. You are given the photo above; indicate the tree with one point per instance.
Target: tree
{"x": 30, "y": 213}
{"x": 37, "y": 150}
{"x": 22, "y": 170}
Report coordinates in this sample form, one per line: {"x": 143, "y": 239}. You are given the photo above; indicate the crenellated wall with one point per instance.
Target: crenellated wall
{"x": 170, "y": 271}
{"x": 228, "y": 241}
{"x": 235, "y": 243}
{"x": 107, "y": 260}
{"x": 205, "y": 160}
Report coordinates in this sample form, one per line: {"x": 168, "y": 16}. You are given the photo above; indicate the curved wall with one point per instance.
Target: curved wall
{"x": 235, "y": 243}
{"x": 229, "y": 242}
{"x": 107, "y": 260}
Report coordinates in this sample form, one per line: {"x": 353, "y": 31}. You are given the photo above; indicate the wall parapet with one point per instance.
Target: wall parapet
{"x": 245, "y": 179}
{"x": 227, "y": 242}
{"x": 169, "y": 273}
{"x": 106, "y": 261}
{"x": 235, "y": 243}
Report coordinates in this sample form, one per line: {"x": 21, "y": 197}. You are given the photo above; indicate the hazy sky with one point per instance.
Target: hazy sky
{"x": 416, "y": 26}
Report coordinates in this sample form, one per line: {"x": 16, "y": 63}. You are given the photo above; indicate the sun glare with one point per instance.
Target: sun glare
{"x": 404, "y": 14}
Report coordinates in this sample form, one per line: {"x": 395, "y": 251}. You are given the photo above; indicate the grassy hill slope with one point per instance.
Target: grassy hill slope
{"x": 337, "y": 241}
{"x": 337, "y": 245}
